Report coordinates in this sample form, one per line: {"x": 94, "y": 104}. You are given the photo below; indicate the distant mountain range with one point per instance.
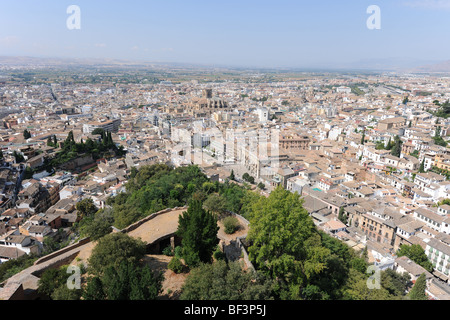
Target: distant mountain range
{"x": 389, "y": 64}
{"x": 442, "y": 67}
{"x": 55, "y": 62}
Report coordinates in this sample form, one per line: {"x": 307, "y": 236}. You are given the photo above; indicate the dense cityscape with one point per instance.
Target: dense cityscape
{"x": 87, "y": 154}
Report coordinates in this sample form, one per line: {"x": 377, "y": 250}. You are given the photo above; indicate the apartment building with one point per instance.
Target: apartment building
{"x": 438, "y": 252}
{"x": 111, "y": 126}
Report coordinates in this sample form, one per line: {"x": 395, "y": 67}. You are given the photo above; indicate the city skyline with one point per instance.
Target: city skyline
{"x": 294, "y": 34}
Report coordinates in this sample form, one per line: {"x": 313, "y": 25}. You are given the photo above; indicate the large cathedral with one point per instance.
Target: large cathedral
{"x": 207, "y": 104}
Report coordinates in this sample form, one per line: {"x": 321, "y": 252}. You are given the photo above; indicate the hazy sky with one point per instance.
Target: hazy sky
{"x": 246, "y": 32}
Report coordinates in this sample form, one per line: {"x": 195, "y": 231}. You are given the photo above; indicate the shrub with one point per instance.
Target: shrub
{"x": 231, "y": 224}
{"x": 167, "y": 251}
{"x": 218, "y": 254}
{"x": 178, "y": 252}
{"x": 175, "y": 265}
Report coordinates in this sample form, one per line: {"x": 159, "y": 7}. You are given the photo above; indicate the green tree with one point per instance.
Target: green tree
{"x": 18, "y": 157}
{"x": 445, "y": 201}
{"x": 94, "y": 290}
{"x": 231, "y": 224}
{"x": 26, "y": 134}
{"x": 64, "y": 293}
{"x": 395, "y": 283}
{"x": 98, "y": 225}
{"x": 422, "y": 166}
{"x": 415, "y": 154}
{"x": 275, "y": 250}
{"x": 126, "y": 214}
{"x": 438, "y": 138}
{"x": 397, "y": 149}
{"x": 50, "y": 142}
{"x": 380, "y": 146}
{"x": 114, "y": 248}
{"x": 342, "y": 216}
{"x": 222, "y": 281}
{"x": 418, "y": 290}
{"x": 13, "y": 266}
{"x": 359, "y": 264}
{"x": 208, "y": 187}
{"x": 86, "y": 207}
{"x": 98, "y": 131}
{"x": 198, "y": 229}
{"x": 357, "y": 288}
{"x": 131, "y": 281}
{"x": 248, "y": 178}
{"x": 175, "y": 265}
{"x": 232, "y": 177}
{"x": 363, "y": 138}
{"x": 235, "y": 196}
{"x": 216, "y": 203}
{"x": 416, "y": 253}
{"x": 51, "y": 280}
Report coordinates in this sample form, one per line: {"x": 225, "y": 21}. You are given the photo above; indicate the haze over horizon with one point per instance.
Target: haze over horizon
{"x": 290, "y": 34}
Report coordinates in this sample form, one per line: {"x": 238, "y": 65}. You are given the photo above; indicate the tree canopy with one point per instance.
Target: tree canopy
{"x": 416, "y": 253}
{"x": 222, "y": 281}
{"x": 126, "y": 281}
{"x": 284, "y": 241}
{"x": 198, "y": 229}
{"x": 114, "y": 248}
{"x": 418, "y": 290}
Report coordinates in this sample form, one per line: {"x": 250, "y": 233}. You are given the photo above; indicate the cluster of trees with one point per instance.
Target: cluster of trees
{"x": 381, "y": 146}
{"x": 438, "y": 138}
{"x": 356, "y": 90}
{"x": 156, "y": 187}
{"x": 52, "y": 141}
{"x": 441, "y": 171}
{"x": 97, "y": 149}
{"x": 116, "y": 271}
{"x": 53, "y": 285}
{"x": 209, "y": 279}
{"x": 13, "y": 266}
{"x": 248, "y": 178}
{"x": 444, "y": 110}
{"x": 94, "y": 223}
{"x": 292, "y": 258}
{"x": 395, "y": 146}
{"x": 415, "y": 154}
{"x": 310, "y": 265}
{"x": 226, "y": 281}
{"x": 18, "y": 157}
{"x": 263, "y": 99}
